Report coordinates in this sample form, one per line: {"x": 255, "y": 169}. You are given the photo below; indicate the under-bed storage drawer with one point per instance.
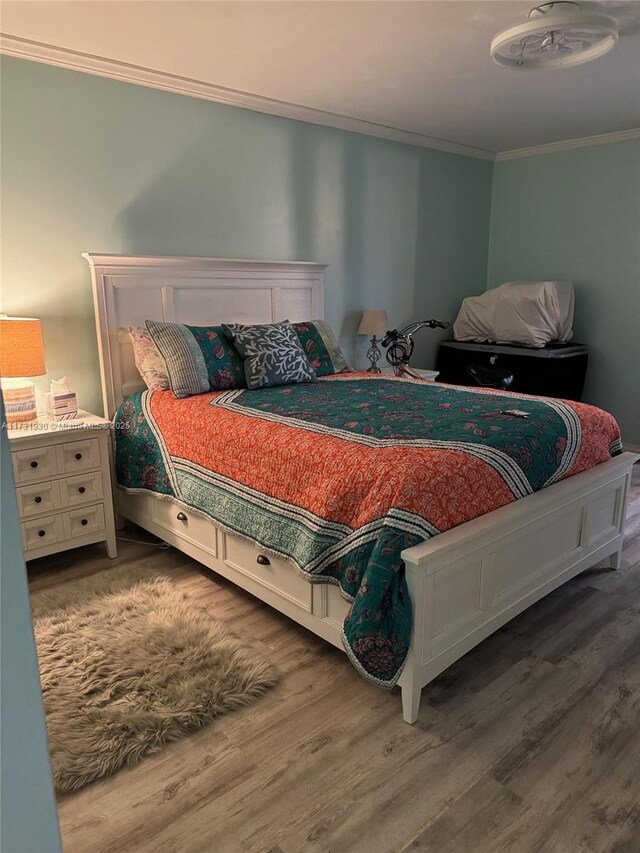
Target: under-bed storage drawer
{"x": 271, "y": 572}
{"x": 188, "y": 525}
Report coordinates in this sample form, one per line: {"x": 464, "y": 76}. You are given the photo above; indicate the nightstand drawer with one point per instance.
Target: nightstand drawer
{"x": 38, "y": 463}
{"x": 82, "y": 489}
{"x": 42, "y": 532}
{"x": 38, "y": 499}
{"x": 76, "y": 456}
{"x": 86, "y": 520}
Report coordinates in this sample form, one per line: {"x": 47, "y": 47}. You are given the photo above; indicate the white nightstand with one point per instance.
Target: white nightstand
{"x": 424, "y": 374}
{"x": 63, "y": 484}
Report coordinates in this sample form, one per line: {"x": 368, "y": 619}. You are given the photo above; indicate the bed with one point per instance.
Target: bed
{"x": 446, "y": 592}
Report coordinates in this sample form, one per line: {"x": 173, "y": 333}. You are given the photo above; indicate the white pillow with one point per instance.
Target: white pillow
{"x": 148, "y": 360}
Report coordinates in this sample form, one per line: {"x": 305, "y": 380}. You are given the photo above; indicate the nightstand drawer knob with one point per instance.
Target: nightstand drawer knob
{"x": 82, "y": 490}
{"x": 181, "y": 516}
{"x": 42, "y": 532}
{"x": 263, "y": 561}
{"x": 84, "y": 521}
{"x": 78, "y": 456}
{"x": 38, "y": 499}
{"x": 34, "y": 464}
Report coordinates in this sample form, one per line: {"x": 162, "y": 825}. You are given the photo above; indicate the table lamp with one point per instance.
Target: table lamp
{"x": 21, "y": 354}
{"x": 374, "y": 324}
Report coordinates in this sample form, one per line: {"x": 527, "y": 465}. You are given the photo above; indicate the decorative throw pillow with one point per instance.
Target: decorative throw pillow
{"x": 197, "y": 358}
{"x": 148, "y": 360}
{"x": 321, "y": 347}
{"x": 272, "y": 354}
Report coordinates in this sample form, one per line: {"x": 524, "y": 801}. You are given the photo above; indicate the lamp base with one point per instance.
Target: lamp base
{"x": 19, "y": 397}
{"x": 374, "y": 354}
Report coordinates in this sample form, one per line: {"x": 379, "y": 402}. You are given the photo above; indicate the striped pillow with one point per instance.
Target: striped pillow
{"x": 197, "y": 358}
{"x": 321, "y": 347}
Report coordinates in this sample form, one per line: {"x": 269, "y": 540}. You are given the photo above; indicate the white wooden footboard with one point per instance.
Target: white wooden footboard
{"x": 468, "y": 582}
{"x": 464, "y": 584}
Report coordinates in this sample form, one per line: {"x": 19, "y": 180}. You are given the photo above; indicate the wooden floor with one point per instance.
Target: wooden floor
{"x": 529, "y": 743}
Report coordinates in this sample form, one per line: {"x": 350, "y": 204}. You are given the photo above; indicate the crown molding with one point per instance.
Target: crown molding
{"x": 139, "y": 75}
{"x": 568, "y": 144}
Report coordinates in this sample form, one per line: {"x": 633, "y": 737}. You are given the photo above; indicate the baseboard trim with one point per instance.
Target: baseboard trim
{"x": 104, "y": 67}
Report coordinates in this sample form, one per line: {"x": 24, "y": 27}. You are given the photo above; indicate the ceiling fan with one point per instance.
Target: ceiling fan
{"x": 557, "y": 35}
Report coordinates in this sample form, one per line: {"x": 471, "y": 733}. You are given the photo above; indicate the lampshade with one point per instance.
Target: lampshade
{"x": 373, "y": 323}
{"x": 21, "y": 350}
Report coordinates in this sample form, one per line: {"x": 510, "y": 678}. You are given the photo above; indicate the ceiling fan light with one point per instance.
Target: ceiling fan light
{"x": 555, "y": 38}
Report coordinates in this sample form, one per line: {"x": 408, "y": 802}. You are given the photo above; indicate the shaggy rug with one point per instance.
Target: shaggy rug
{"x": 128, "y": 664}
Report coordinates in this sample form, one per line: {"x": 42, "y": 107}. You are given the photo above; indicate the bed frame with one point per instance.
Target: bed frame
{"x": 464, "y": 584}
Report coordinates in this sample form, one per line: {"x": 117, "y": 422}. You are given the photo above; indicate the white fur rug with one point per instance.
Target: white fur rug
{"x": 128, "y": 664}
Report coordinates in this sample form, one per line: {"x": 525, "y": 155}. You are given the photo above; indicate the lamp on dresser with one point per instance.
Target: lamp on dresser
{"x": 21, "y": 354}
{"x": 374, "y": 324}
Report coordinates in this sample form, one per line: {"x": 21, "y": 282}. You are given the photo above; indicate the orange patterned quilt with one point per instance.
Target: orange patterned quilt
{"x": 341, "y": 475}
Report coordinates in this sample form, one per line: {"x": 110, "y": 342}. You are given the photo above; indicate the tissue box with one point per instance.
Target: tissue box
{"x": 62, "y": 407}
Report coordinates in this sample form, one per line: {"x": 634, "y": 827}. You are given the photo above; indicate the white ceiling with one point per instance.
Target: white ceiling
{"x": 422, "y": 67}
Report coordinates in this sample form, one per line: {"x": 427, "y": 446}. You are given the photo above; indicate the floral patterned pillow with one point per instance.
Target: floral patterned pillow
{"x": 148, "y": 360}
{"x": 321, "y": 347}
{"x": 272, "y": 354}
{"x": 197, "y": 358}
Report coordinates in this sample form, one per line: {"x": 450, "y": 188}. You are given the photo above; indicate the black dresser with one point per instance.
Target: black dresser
{"x": 557, "y": 370}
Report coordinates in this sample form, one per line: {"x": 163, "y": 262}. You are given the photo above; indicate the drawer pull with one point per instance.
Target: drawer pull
{"x": 84, "y": 521}
{"x": 181, "y": 516}
{"x": 42, "y": 532}
{"x": 34, "y": 464}
{"x": 37, "y": 499}
{"x": 78, "y": 456}
{"x": 82, "y": 490}
{"x": 263, "y": 561}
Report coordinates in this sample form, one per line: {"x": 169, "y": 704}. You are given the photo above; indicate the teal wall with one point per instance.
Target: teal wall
{"x": 576, "y": 215}
{"x": 90, "y": 164}
{"x": 28, "y": 819}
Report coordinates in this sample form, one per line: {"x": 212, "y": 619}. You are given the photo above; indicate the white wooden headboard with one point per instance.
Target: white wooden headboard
{"x": 127, "y": 290}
